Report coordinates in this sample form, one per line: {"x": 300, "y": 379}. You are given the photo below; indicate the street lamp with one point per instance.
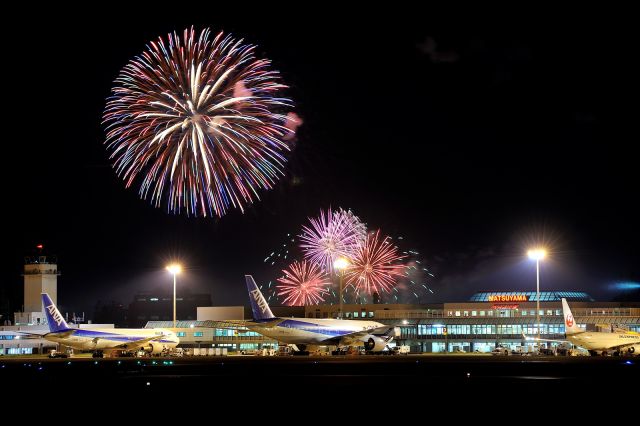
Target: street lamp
{"x": 175, "y": 269}
{"x": 537, "y": 255}
{"x": 340, "y": 265}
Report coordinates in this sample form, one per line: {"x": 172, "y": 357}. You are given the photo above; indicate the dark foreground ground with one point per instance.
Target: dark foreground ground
{"x": 376, "y": 381}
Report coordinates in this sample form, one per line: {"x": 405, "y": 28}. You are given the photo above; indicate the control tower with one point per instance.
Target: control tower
{"x": 40, "y": 276}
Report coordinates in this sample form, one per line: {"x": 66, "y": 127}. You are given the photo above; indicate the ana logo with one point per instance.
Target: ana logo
{"x": 569, "y": 320}
{"x": 57, "y": 316}
{"x": 262, "y": 304}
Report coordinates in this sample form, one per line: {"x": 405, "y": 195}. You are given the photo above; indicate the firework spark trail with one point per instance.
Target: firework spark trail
{"x": 303, "y": 283}
{"x": 330, "y": 236}
{"x": 416, "y": 276}
{"x": 199, "y": 123}
{"x": 352, "y": 222}
{"x": 374, "y": 266}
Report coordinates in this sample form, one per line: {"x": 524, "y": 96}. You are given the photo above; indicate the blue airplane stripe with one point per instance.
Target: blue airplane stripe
{"x": 110, "y": 336}
{"x": 313, "y": 328}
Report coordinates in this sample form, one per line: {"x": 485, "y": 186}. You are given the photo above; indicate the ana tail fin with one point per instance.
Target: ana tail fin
{"x": 54, "y": 317}
{"x": 570, "y": 325}
{"x": 259, "y": 305}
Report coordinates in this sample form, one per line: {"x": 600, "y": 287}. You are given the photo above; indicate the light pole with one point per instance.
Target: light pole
{"x": 340, "y": 265}
{"x": 175, "y": 269}
{"x": 537, "y": 255}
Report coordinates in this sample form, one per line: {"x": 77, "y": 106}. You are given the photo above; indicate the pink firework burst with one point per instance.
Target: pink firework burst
{"x": 303, "y": 284}
{"x": 374, "y": 266}
{"x": 330, "y": 236}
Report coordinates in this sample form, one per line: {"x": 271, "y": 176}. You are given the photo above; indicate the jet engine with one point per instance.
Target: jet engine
{"x": 374, "y": 343}
{"x": 154, "y": 348}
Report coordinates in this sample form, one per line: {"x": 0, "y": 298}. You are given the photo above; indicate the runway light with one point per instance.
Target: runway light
{"x": 148, "y": 383}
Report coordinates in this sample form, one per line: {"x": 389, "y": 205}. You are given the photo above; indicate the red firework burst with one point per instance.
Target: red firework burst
{"x": 374, "y": 266}
{"x": 303, "y": 284}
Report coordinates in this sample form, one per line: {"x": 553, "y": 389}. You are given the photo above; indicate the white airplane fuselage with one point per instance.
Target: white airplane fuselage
{"x": 598, "y": 341}
{"x": 105, "y": 339}
{"x": 311, "y": 331}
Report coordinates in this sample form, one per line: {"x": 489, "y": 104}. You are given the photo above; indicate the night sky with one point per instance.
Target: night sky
{"x": 470, "y": 142}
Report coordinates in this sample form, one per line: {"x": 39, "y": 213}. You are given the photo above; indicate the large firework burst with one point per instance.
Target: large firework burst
{"x": 303, "y": 284}
{"x": 199, "y": 123}
{"x": 330, "y": 236}
{"x": 374, "y": 266}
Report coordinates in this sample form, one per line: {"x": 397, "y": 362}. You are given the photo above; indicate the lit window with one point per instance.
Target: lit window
{"x": 482, "y": 313}
{"x": 355, "y": 315}
{"x": 457, "y": 313}
{"x": 474, "y": 313}
{"x": 181, "y": 334}
{"x": 466, "y": 313}
{"x": 370, "y": 314}
{"x": 197, "y": 334}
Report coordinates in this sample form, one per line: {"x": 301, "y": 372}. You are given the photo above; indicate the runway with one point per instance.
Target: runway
{"x": 431, "y": 374}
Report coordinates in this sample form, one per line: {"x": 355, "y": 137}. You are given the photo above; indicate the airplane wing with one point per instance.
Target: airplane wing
{"x": 24, "y": 333}
{"x": 137, "y": 343}
{"x": 360, "y": 335}
{"x": 236, "y": 324}
{"x": 60, "y": 334}
{"x": 39, "y": 334}
{"x": 529, "y": 338}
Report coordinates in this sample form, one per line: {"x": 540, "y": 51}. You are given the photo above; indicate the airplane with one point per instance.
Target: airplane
{"x": 303, "y": 332}
{"x": 597, "y": 341}
{"x": 153, "y": 341}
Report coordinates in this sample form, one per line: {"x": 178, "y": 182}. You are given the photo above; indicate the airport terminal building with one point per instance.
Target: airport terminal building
{"x": 486, "y": 320}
